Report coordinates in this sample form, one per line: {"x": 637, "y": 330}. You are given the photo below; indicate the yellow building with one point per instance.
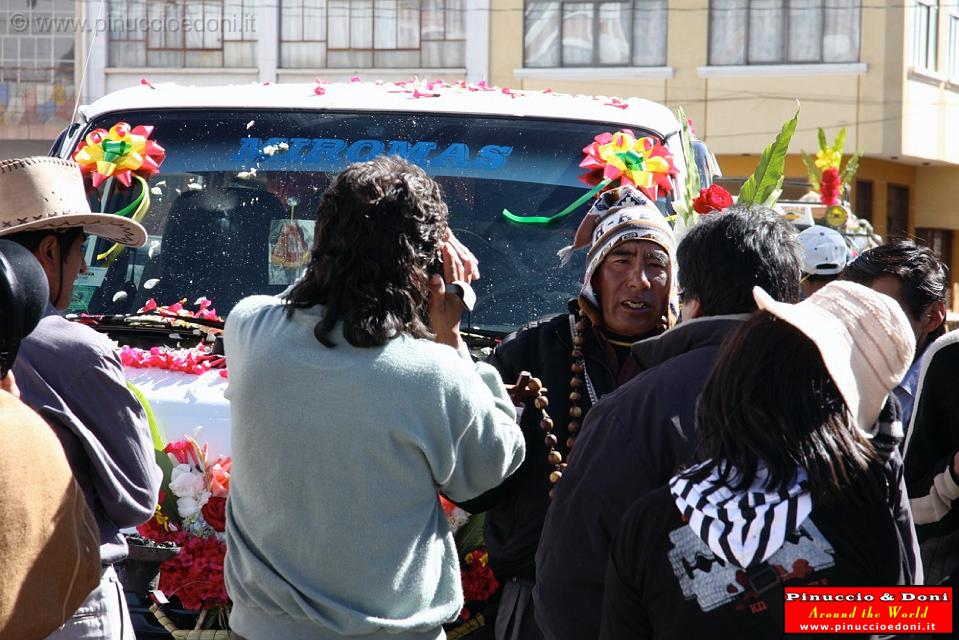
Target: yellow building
{"x": 888, "y": 72}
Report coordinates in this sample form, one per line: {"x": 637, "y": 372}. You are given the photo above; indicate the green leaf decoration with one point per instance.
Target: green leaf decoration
{"x": 851, "y": 168}
{"x": 470, "y": 535}
{"x": 840, "y": 142}
{"x": 823, "y": 145}
{"x": 693, "y": 182}
{"x": 815, "y": 173}
{"x": 768, "y": 176}
{"x": 774, "y": 196}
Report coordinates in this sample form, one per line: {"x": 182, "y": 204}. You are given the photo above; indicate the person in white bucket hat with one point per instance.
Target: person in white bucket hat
{"x": 72, "y": 376}
{"x": 788, "y": 489}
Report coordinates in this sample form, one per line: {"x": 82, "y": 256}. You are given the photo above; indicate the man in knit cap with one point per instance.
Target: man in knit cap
{"x": 628, "y": 294}
{"x": 634, "y": 440}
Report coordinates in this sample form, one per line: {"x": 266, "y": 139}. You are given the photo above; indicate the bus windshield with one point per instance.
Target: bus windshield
{"x": 234, "y": 205}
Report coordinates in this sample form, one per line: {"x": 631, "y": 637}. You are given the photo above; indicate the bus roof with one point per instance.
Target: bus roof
{"x": 409, "y": 97}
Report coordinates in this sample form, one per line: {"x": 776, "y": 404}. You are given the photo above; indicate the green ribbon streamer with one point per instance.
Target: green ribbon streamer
{"x": 138, "y": 208}
{"x": 155, "y": 431}
{"x": 556, "y": 216}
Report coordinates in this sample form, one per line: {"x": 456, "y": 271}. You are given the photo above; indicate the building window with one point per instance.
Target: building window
{"x": 954, "y": 48}
{"x": 783, "y": 31}
{"x": 36, "y": 64}
{"x": 353, "y": 34}
{"x": 563, "y": 33}
{"x": 925, "y": 35}
{"x": 940, "y": 241}
{"x": 34, "y": 47}
{"x": 897, "y": 211}
{"x": 182, "y": 33}
{"x": 864, "y": 200}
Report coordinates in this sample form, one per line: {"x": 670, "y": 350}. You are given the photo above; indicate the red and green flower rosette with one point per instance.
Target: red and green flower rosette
{"x": 617, "y": 157}
{"x": 124, "y": 154}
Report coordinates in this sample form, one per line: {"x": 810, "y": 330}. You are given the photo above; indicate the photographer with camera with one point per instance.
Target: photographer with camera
{"x": 354, "y": 402}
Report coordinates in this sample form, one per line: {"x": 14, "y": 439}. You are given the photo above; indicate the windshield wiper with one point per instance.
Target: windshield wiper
{"x": 145, "y": 320}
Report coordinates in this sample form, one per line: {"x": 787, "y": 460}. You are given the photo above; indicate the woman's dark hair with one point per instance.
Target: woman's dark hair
{"x": 722, "y": 258}
{"x": 769, "y": 400}
{"x": 378, "y": 228}
{"x": 924, "y": 278}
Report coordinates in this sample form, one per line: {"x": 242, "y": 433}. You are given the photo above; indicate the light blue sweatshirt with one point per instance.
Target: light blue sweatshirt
{"x": 333, "y": 524}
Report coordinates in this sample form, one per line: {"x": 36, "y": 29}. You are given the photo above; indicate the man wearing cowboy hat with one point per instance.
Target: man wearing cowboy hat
{"x": 71, "y": 375}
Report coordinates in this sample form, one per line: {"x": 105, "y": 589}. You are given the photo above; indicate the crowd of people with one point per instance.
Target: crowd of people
{"x": 746, "y": 409}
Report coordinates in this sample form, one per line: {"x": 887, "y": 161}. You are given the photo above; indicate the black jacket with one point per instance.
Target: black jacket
{"x": 516, "y": 509}
{"x": 932, "y": 444}
{"x": 632, "y": 442}
{"x": 664, "y": 583}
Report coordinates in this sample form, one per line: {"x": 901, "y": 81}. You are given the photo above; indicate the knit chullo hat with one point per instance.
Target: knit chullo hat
{"x": 863, "y": 336}
{"x": 621, "y": 215}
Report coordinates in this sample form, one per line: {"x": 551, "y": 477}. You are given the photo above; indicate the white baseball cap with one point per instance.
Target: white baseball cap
{"x": 824, "y": 251}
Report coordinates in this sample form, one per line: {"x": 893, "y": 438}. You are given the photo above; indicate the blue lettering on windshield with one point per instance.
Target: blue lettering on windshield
{"x": 334, "y": 153}
{"x": 363, "y": 150}
{"x": 417, "y": 154}
{"x": 457, "y": 156}
{"x": 326, "y": 150}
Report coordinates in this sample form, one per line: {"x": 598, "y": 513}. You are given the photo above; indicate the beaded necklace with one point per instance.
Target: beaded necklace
{"x": 579, "y": 380}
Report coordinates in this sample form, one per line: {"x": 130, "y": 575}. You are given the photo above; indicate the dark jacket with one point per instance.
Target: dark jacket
{"x": 516, "y": 509}
{"x": 931, "y": 446}
{"x": 664, "y": 582}
{"x": 632, "y": 442}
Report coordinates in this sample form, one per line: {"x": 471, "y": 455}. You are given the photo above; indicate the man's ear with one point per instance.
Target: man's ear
{"x": 691, "y": 309}
{"x": 935, "y": 316}
{"x": 48, "y": 255}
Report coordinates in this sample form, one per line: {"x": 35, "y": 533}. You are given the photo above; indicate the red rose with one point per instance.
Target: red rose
{"x": 715, "y": 198}
{"x": 214, "y": 512}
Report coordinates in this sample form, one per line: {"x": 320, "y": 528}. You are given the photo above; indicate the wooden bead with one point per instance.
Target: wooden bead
{"x": 578, "y": 354}
{"x": 575, "y": 397}
{"x": 550, "y": 440}
{"x": 570, "y": 442}
{"x": 573, "y": 426}
{"x": 554, "y": 457}
{"x": 546, "y": 424}
{"x": 575, "y": 383}
{"x": 534, "y": 385}
{"x": 562, "y": 467}
{"x": 541, "y": 402}
{"x": 555, "y": 476}
{"x": 580, "y": 326}
{"x": 575, "y": 412}
{"x": 578, "y": 341}
{"x": 577, "y": 367}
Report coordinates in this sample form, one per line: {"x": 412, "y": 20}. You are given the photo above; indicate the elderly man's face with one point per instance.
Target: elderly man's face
{"x": 632, "y": 287}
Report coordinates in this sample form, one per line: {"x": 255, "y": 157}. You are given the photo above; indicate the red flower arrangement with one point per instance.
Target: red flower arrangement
{"x": 191, "y": 512}
{"x": 829, "y": 184}
{"x": 479, "y": 583}
{"x": 713, "y": 199}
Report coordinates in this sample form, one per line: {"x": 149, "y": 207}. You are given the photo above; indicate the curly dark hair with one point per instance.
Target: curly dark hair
{"x": 378, "y": 228}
